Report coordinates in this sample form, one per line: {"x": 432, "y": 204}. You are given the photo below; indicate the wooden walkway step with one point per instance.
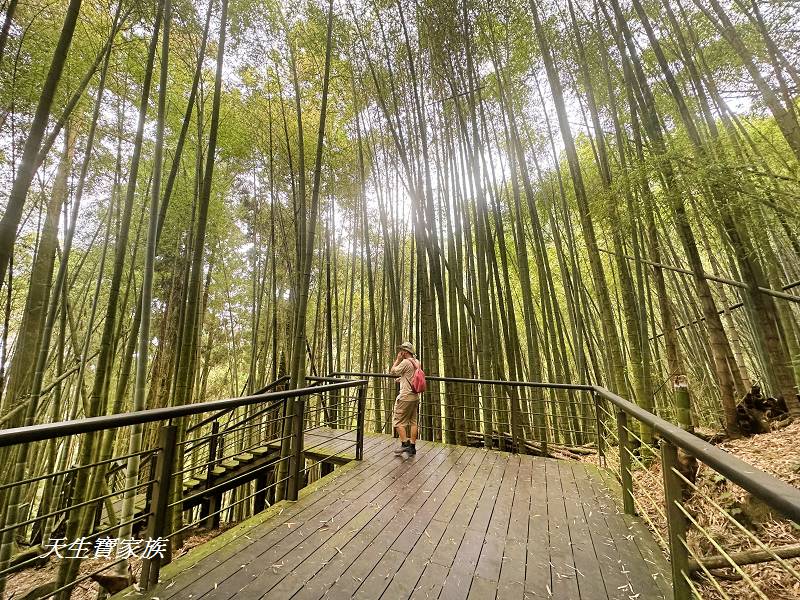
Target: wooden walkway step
{"x": 321, "y": 443}
{"x": 451, "y": 522}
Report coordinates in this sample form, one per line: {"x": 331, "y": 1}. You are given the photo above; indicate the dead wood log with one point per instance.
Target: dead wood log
{"x": 746, "y": 557}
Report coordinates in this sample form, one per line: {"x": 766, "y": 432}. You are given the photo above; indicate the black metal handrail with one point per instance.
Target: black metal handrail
{"x": 46, "y": 431}
{"x": 165, "y": 470}
{"x": 774, "y": 492}
{"x": 531, "y": 384}
{"x": 777, "y": 494}
{"x": 221, "y": 413}
{"x": 675, "y": 515}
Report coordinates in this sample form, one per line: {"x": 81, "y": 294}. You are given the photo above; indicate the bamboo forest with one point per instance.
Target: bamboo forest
{"x": 568, "y": 230}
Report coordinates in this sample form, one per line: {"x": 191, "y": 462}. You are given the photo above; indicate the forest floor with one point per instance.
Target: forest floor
{"x": 734, "y": 518}
{"x": 20, "y": 584}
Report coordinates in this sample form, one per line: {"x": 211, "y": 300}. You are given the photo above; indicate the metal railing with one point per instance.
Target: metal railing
{"x": 553, "y": 419}
{"x": 650, "y": 458}
{"x": 185, "y": 478}
{"x": 696, "y": 497}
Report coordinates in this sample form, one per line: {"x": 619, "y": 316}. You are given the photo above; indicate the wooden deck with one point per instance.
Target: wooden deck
{"x": 451, "y": 522}
{"x": 324, "y": 443}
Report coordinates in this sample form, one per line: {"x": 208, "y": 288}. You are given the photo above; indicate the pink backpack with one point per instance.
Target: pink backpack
{"x": 418, "y": 383}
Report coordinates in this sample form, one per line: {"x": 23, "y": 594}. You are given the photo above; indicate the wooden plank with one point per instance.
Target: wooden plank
{"x": 655, "y": 560}
{"x": 339, "y": 569}
{"x": 323, "y": 442}
{"x": 375, "y": 584}
{"x": 450, "y": 523}
{"x": 362, "y": 565}
{"x": 350, "y": 517}
{"x": 139, "y": 503}
{"x": 430, "y": 584}
{"x": 511, "y": 585}
{"x": 457, "y": 584}
{"x": 482, "y": 589}
{"x": 405, "y": 579}
{"x": 614, "y": 578}
{"x": 563, "y": 577}
{"x": 228, "y": 558}
{"x": 512, "y": 572}
{"x": 341, "y": 478}
{"x": 537, "y": 571}
{"x": 631, "y": 563}
{"x": 489, "y": 495}
{"x": 411, "y": 529}
{"x": 491, "y": 558}
{"x": 177, "y": 574}
{"x": 591, "y": 584}
{"x": 448, "y": 508}
{"x": 498, "y": 525}
{"x": 463, "y": 539}
{"x": 460, "y": 517}
{"x": 468, "y": 462}
{"x": 652, "y": 555}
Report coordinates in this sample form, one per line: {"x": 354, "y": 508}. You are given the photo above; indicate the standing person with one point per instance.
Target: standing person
{"x": 406, "y": 406}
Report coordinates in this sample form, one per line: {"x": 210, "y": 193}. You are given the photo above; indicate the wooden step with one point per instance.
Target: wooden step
{"x": 244, "y": 457}
{"x": 230, "y": 463}
{"x": 218, "y": 470}
{"x": 139, "y": 503}
{"x": 190, "y": 483}
{"x": 261, "y": 450}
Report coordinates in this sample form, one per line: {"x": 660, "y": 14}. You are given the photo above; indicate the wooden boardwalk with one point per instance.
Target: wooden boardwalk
{"x": 451, "y": 522}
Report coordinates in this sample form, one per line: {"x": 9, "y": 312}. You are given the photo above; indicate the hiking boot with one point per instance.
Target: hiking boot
{"x": 411, "y": 449}
{"x": 404, "y": 448}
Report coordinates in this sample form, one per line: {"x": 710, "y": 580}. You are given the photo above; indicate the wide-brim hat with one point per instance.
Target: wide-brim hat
{"x": 408, "y": 347}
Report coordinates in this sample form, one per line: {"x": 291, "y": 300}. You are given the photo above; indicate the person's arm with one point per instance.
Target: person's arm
{"x": 395, "y": 368}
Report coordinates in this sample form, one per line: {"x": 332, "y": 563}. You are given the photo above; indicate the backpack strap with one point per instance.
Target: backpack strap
{"x": 416, "y": 366}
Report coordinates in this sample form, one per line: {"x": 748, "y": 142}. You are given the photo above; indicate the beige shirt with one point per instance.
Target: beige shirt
{"x": 405, "y": 370}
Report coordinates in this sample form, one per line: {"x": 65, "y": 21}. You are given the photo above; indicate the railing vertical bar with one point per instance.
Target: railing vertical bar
{"x": 676, "y": 521}
{"x": 362, "y": 405}
{"x": 625, "y": 463}
{"x": 213, "y": 443}
{"x": 601, "y": 451}
{"x": 158, "y": 523}
{"x": 297, "y": 448}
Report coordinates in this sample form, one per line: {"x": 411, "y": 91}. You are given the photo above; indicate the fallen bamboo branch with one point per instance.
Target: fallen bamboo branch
{"x": 746, "y": 557}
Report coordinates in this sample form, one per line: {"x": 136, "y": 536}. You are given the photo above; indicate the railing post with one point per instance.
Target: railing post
{"x": 362, "y": 409}
{"x": 625, "y": 463}
{"x": 332, "y": 409}
{"x": 598, "y": 424}
{"x": 158, "y": 522}
{"x": 517, "y": 443}
{"x": 211, "y": 505}
{"x": 297, "y": 448}
{"x": 676, "y": 521}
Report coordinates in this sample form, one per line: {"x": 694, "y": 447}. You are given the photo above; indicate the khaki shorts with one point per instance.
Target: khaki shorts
{"x": 405, "y": 412}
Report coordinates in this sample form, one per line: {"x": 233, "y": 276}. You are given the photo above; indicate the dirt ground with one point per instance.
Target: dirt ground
{"x": 728, "y": 516}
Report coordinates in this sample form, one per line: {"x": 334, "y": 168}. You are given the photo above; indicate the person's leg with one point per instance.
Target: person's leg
{"x": 397, "y": 420}
{"x": 401, "y": 432}
{"x": 404, "y": 443}
{"x": 414, "y": 428}
{"x": 403, "y": 417}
